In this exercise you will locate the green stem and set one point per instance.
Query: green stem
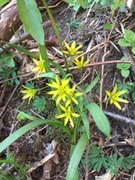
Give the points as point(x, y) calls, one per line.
point(43, 52)
point(77, 125)
point(55, 29)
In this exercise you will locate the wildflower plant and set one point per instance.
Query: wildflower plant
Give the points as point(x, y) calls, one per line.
point(80, 64)
point(40, 66)
point(29, 93)
point(68, 114)
point(73, 106)
point(114, 97)
point(72, 50)
point(65, 95)
point(60, 89)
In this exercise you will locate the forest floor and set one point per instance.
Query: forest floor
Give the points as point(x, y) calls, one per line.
point(86, 27)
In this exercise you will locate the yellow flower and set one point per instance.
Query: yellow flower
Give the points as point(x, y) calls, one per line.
point(60, 89)
point(71, 96)
point(29, 93)
point(80, 63)
point(73, 50)
point(114, 97)
point(40, 66)
point(68, 114)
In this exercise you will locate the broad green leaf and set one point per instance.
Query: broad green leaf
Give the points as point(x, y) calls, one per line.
point(76, 156)
point(133, 50)
point(31, 18)
point(125, 73)
point(37, 122)
point(124, 42)
point(90, 87)
point(86, 123)
point(2, 2)
point(99, 118)
point(129, 35)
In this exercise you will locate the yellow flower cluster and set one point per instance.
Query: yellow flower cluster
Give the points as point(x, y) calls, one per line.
point(64, 96)
point(29, 93)
point(73, 51)
point(40, 66)
point(114, 97)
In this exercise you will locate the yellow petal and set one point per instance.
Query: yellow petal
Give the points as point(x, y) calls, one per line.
point(108, 93)
point(119, 93)
point(117, 105)
point(114, 90)
point(122, 100)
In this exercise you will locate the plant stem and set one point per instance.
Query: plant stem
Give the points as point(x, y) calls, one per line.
point(55, 29)
point(43, 52)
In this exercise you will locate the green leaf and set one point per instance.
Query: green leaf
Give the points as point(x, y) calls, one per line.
point(99, 118)
point(105, 2)
point(37, 122)
point(82, 3)
point(125, 73)
point(90, 87)
point(2, 2)
point(123, 66)
point(76, 156)
point(124, 42)
point(133, 96)
point(19, 48)
point(7, 60)
point(53, 123)
point(31, 18)
point(129, 35)
point(49, 74)
point(86, 123)
point(133, 50)
point(39, 104)
point(10, 63)
point(107, 26)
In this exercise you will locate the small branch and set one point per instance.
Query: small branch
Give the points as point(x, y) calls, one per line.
point(22, 38)
point(103, 63)
point(120, 117)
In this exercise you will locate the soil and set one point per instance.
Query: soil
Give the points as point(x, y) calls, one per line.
point(86, 27)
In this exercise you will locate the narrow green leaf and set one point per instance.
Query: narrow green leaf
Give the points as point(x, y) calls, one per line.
point(49, 122)
point(31, 18)
point(86, 123)
point(94, 82)
point(13, 137)
point(19, 48)
point(2, 2)
point(99, 118)
point(82, 3)
point(76, 156)
point(49, 74)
